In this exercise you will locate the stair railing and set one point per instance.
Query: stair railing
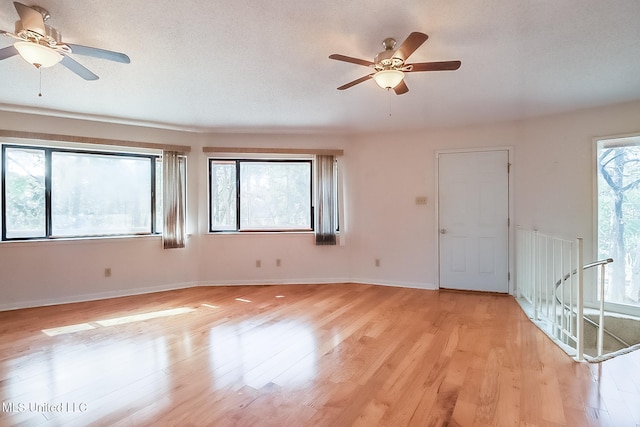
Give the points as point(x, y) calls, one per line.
point(602, 264)
point(599, 325)
point(540, 259)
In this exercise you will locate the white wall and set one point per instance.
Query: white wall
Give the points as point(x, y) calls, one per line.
point(553, 175)
point(37, 273)
point(41, 273)
point(384, 173)
point(390, 171)
point(231, 259)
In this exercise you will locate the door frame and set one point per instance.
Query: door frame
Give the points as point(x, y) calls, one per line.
point(511, 233)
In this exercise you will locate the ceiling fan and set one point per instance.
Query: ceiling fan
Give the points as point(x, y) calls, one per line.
point(390, 65)
point(41, 45)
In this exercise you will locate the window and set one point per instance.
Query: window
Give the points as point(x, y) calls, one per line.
point(55, 192)
point(618, 165)
point(260, 195)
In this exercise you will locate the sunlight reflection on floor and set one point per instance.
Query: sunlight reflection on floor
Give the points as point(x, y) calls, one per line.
point(52, 332)
point(256, 356)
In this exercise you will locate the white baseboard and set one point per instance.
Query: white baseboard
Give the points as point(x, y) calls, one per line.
point(412, 285)
point(151, 289)
point(95, 296)
point(324, 281)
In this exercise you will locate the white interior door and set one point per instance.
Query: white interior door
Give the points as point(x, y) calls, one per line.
point(473, 219)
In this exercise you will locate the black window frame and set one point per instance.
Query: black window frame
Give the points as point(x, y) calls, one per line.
point(48, 151)
point(238, 162)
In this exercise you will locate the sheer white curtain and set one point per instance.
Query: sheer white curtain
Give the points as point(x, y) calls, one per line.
point(326, 222)
point(174, 170)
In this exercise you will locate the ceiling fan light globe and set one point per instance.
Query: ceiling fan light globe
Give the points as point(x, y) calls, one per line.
point(388, 79)
point(38, 55)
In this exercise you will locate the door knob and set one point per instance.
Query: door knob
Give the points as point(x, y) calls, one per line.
point(443, 231)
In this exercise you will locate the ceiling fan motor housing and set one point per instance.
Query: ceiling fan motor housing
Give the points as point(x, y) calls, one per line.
point(386, 60)
point(51, 38)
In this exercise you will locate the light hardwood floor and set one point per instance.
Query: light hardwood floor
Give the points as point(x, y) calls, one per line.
point(302, 355)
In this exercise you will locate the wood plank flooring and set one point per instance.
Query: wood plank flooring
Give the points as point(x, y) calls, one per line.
point(301, 355)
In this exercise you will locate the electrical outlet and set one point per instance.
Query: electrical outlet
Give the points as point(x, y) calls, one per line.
point(377, 262)
point(258, 263)
point(107, 272)
point(278, 263)
point(421, 200)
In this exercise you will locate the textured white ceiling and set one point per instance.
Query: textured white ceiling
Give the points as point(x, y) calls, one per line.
point(263, 66)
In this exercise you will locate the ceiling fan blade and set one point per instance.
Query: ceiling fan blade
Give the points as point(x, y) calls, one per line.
point(355, 82)
point(77, 68)
point(99, 53)
point(344, 58)
point(401, 88)
point(8, 52)
point(413, 42)
point(8, 34)
point(435, 66)
point(31, 19)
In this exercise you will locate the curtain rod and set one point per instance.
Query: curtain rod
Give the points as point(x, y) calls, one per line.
point(95, 141)
point(326, 152)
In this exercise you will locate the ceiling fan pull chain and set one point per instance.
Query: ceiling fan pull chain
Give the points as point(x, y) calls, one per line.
point(40, 87)
point(389, 98)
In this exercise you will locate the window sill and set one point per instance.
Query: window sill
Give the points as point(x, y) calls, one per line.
point(260, 233)
point(79, 240)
